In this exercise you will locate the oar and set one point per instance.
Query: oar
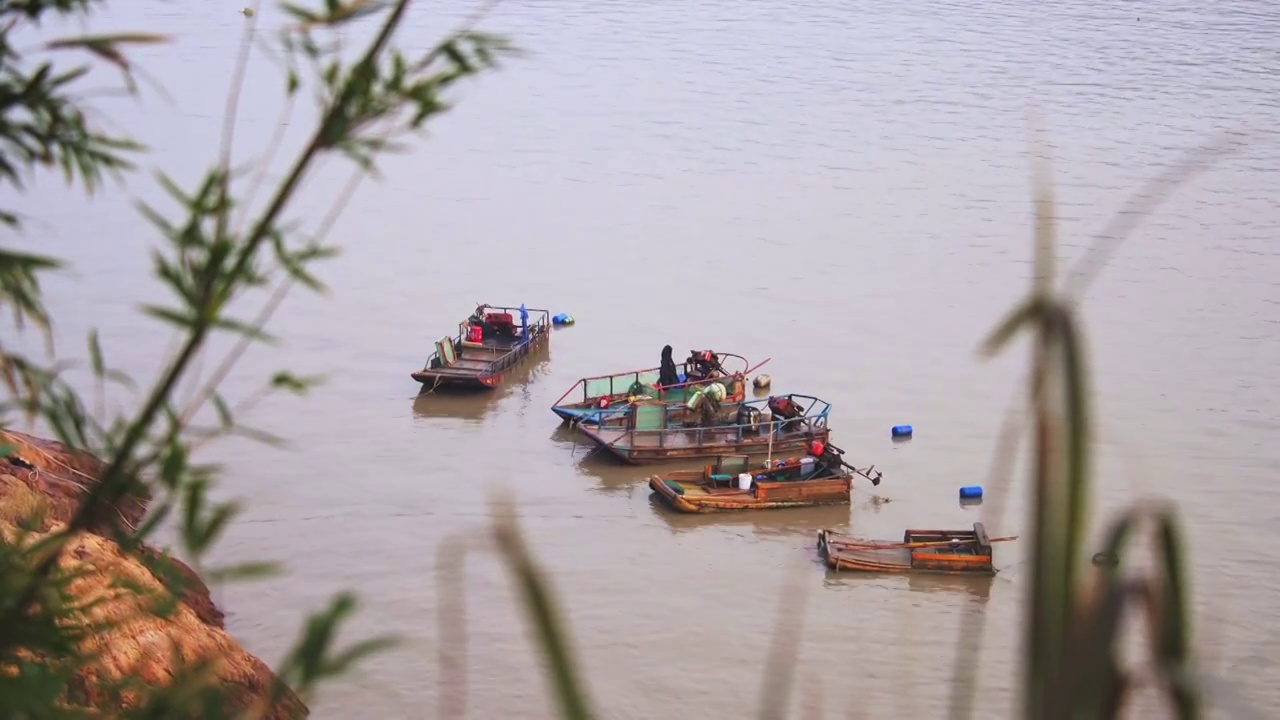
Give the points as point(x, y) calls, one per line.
point(908, 546)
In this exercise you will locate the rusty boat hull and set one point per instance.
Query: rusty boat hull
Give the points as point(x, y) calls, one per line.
point(785, 484)
point(953, 552)
point(654, 432)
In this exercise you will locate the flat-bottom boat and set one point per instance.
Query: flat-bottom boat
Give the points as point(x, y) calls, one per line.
point(488, 346)
point(930, 551)
point(733, 482)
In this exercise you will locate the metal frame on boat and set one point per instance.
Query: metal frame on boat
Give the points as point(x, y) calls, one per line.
point(616, 391)
point(653, 431)
point(488, 345)
point(961, 552)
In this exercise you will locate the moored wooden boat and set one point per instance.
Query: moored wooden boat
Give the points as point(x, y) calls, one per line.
point(591, 398)
point(489, 345)
point(651, 431)
point(926, 551)
point(733, 482)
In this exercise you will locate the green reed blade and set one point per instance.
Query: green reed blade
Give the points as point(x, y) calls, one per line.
point(540, 605)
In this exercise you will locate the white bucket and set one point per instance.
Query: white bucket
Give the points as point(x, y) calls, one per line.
point(744, 481)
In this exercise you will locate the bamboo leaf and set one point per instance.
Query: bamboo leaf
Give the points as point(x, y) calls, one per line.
point(1077, 443)
point(1027, 312)
point(1174, 631)
point(243, 571)
point(107, 46)
point(95, 355)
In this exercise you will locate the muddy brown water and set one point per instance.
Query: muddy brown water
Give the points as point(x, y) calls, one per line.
point(841, 187)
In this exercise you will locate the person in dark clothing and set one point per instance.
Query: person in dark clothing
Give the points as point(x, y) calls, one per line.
point(667, 371)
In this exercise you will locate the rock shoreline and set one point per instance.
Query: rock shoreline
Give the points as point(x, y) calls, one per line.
point(44, 474)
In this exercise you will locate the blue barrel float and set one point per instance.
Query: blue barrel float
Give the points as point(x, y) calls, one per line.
point(900, 432)
point(971, 492)
point(562, 319)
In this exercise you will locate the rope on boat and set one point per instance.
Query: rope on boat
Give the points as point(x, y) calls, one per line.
point(434, 385)
point(573, 425)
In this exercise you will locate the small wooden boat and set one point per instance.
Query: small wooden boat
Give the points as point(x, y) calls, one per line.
point(932, 551)
point(489, 344)
point(650, 431)
point(733, 482)
point(592, 398)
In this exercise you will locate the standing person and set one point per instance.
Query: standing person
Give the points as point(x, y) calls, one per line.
point(667, 370)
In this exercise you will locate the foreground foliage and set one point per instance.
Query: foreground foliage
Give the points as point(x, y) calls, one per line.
point(215, 246)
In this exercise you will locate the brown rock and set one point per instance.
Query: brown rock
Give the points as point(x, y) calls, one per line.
point(63, 477)
point(41, 476)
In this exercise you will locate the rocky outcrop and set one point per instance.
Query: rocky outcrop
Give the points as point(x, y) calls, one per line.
point(41, 479)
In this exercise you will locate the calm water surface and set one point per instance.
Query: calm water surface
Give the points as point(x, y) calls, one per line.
point(839, 186)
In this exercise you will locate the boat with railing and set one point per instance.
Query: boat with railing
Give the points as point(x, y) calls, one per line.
point(489, 344)
point(603, 396)
point(651, 431)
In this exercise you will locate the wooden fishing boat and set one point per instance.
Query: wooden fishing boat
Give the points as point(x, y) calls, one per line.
point(733, 482)
point(592, 398)
point(928, 551)
point(651, 431)
point(488, 345)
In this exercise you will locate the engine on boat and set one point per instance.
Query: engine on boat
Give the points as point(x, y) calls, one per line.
point(784, 408)
point(484, 325)
point(703, 365)
point(753, 419)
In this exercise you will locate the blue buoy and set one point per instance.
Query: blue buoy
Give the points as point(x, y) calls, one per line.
point(901, 431)
point(969, 492)
point(562, 319)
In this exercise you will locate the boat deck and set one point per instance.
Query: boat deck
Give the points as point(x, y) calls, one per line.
point(474, 359)
point(887, 558)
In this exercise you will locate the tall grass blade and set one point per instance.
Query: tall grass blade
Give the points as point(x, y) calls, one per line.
point(540, 605)
point(451, 618)
point(779, 669)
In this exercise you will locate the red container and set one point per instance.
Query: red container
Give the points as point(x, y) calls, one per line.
point(475, 333)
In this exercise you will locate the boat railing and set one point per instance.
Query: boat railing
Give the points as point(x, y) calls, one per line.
point(539, 324)
point(814, 416)
point(600, 386)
